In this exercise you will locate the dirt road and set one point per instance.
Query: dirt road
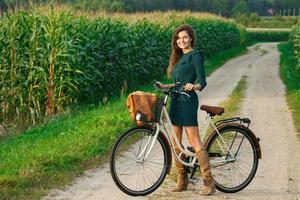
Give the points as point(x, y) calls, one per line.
point(278, 174)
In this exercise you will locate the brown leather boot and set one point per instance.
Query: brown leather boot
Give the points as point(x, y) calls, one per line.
point(182, 177)
point(208, 181)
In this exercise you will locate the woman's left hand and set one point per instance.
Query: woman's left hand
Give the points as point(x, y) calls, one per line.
point(188, 87)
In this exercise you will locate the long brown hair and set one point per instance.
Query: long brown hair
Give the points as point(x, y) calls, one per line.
point(176, 51)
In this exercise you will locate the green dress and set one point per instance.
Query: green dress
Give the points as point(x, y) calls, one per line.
point(189, 68)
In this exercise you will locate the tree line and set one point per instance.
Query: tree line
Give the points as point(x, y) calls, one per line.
point(227, 8)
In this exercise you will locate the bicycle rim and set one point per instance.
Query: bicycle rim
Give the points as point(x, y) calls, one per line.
point(133, 174)
point(234, 170)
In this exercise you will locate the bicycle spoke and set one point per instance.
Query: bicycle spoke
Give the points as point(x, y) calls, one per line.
point(152, 176)
point(246, 163)
point(133, 171)
point(232, 173)
point(241, 171)
point(243, 168)
point(152, 171)
point(238, 174)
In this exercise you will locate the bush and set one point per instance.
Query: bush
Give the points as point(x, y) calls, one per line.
point(295, 40)
point(268, 36)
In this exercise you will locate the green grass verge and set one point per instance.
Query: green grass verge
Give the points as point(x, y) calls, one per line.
point(214, 62)
point(234, 102)
point(290, 74)
point(53, 154)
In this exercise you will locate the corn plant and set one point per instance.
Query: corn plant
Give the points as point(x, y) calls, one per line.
point(36, 78)
point(49, 62)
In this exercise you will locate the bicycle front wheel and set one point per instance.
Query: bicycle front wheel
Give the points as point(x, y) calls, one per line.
point(233, 157)
point(133, 173)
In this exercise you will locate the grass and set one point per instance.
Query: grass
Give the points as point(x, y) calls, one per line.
point(277, 22)
point(211, 64)
point(234, 102)
point(53, 154)
point(290, 74)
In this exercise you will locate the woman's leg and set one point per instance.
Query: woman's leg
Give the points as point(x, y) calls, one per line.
point(182, 178)
point(178, 132)
point(203, 159)
point(193, 137)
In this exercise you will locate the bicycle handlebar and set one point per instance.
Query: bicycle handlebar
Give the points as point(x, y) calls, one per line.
point(174, 89)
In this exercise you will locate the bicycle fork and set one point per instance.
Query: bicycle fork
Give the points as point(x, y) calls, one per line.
point(150, 143)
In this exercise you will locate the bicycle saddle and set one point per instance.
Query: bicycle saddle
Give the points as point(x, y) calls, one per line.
point(213, 110)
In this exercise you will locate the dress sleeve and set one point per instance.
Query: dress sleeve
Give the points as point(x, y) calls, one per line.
point(198, 63)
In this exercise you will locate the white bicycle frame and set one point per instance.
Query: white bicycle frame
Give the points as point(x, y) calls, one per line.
point(166, 127)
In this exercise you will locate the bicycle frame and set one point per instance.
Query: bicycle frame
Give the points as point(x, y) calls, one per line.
point(233, 149)
point(166, 127)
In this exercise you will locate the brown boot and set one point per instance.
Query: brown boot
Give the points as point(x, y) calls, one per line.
point(182, 177)
point(208, 181)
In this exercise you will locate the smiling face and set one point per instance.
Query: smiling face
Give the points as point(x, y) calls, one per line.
point(184, 40)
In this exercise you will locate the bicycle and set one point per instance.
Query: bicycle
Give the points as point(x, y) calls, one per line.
point(142, 156)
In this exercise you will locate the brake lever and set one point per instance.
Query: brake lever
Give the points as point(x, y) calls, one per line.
point(156, 85)
point(178, 84)
point(186, 94)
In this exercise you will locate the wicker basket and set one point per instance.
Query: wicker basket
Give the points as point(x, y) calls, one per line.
point(144, 107)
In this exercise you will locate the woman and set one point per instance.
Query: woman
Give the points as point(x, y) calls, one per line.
point(186, 66)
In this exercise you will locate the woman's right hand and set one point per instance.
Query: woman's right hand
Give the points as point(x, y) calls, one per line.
point(163, 86)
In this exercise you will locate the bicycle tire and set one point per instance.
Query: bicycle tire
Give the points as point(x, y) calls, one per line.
point(160, 141)
point(211, 146)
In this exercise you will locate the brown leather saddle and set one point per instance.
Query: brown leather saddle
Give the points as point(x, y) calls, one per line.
point(213, 110)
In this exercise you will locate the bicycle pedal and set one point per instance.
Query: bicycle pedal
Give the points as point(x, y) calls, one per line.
point(194, 180)
point(191, 149)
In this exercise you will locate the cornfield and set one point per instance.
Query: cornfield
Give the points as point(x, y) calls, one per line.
point(36, 72)
point(48, 62)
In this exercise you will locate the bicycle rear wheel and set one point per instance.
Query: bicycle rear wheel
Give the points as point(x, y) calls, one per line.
point(232, 170)
point(132, 173)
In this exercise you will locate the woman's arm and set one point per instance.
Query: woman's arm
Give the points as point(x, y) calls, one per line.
point(197, 87)
point(190, 86)
point(198, 63)
point(164, 86)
